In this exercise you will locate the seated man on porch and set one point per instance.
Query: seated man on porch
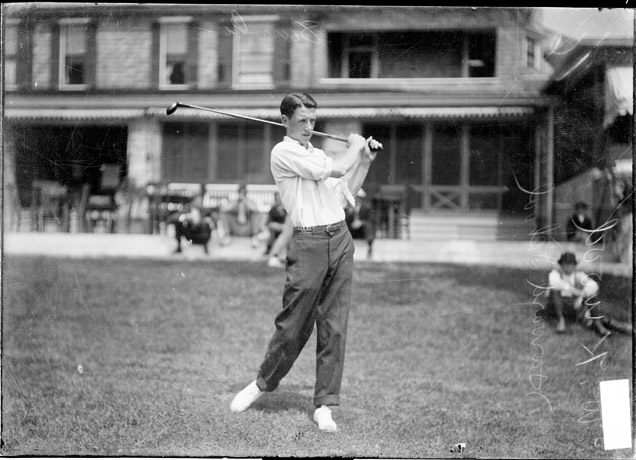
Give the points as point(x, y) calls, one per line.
point(579, 225)
point(194, 224)
point(240, 217)
point(275, 222)
point(359, 220)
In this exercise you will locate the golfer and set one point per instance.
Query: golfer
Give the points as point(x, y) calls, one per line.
point(314, 188)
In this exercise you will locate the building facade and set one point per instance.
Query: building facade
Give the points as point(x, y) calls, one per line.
point(454, 95)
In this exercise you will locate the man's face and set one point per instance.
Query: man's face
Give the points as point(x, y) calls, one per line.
point(568, 269)
point(301, 125)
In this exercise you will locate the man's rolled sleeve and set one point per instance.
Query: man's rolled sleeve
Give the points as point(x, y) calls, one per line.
point(590, 287)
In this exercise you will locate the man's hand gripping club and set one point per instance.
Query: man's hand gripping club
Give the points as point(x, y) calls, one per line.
point(358, 148)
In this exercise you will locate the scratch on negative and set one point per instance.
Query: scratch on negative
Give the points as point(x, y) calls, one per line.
point(79, 289)
point(591, 359)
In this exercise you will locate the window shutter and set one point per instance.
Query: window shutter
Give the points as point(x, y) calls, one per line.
point(193, 54)
point(91, 53)
point(55, 55)
point(154, 60)
point(282, 52)
point(225, 44)
point(24, 58)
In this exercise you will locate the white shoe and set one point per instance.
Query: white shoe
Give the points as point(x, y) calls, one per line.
point(246, 397)
point(275, 262)
point(322, 416)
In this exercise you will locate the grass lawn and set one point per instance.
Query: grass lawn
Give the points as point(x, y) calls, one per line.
point(142, 358)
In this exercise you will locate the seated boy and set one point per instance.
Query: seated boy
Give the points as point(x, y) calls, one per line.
point(569, 290)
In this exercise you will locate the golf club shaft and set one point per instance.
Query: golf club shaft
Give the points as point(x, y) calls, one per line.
point(176, 105)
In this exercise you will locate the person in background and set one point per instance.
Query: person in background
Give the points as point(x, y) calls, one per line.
point(275, 222)
point(359, 220)
point(193, 224)
point(570, 289)
point(579, 225)
point(239, 217)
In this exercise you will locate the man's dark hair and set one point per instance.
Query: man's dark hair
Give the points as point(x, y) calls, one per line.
point(568, 258)
point(581, 206)
point(292, 101)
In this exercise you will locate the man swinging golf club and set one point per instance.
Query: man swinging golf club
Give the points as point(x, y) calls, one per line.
point(314, 189)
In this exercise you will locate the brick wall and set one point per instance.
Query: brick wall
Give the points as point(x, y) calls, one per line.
point(123, 54)
point(510, 62)
point(321, 56)
point(42, 56)
point(302, 60)
point(208, 55)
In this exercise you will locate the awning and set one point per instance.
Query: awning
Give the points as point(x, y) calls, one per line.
point(73, 114)
point(362, 112)
point(67, 114)
point(619, 93)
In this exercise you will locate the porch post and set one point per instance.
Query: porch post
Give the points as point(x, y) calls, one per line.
point(426, 165)
point(549, 149)
point(11, 209)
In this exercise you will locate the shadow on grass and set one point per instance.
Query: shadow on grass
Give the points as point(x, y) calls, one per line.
point(282, 401)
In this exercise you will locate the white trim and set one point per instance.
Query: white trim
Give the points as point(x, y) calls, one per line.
point(390, 82)
point(262, 18)
point(73, 21)
point(175, 19)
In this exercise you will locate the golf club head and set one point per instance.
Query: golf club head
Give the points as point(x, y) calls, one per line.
point(172, 108)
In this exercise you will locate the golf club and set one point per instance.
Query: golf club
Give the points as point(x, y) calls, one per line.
point(174, 106)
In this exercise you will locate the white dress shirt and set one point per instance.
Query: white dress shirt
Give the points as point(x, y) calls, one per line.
point(309, 194)
point(563, 283)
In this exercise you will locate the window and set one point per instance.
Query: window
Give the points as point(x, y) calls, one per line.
point(360, 57)
point(73, 54)
point(412, 54)
point(10, 55)
point(173, 53)
point(254, 52)
point(532, 53)
point(481, 54)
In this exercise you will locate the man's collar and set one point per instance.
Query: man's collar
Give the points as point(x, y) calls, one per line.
point(289, 139)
